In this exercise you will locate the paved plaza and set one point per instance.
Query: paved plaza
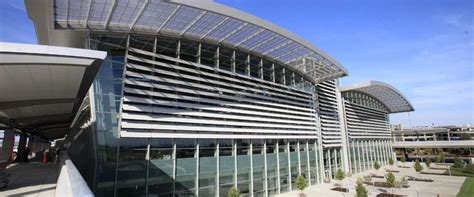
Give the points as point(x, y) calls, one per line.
point(31, 179)
point(445, 186)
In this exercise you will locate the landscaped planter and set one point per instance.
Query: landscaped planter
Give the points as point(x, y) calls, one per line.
point(434, 173)
point(435, 168)
point(403, 166)
point(377, 176)
point(390, 195)
point(340, 189)
point(381, 184)
point(418, 179)
point(396, 171)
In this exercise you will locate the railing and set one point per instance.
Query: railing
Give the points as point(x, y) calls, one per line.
point(435, 144)
point(70, 181)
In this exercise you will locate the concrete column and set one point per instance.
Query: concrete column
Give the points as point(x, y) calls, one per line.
point(21, 146)
point(424, 135)
point(7, 145)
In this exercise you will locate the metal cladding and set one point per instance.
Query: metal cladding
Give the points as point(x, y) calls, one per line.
point(385, 93)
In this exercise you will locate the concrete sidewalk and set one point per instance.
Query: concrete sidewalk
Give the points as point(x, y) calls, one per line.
point(31, 179)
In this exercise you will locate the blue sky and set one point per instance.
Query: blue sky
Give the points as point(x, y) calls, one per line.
point(425, 48)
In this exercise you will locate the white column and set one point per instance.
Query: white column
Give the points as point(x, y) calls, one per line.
point(289, 165)
point(174, 167)
point(234, 153)
point(367, 155)
point(265, 175)
point(278, 165)
point(328, 154)
point(251, 168)
point(299, 157)
point(359, 156)
point(217, 166)
point(196, 156)
point(308, 164)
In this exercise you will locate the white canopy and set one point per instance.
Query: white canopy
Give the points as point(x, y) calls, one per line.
point(385, 93)
point(41, 87)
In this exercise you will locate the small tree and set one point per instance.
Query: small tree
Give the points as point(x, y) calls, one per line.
point(390, 161)
point(391, 180)
point(361, 191)
point(376, 165)
point(440, 157)
point(418, 166)
point(233, 192)
point(428, 163)
point(458, 163)
point(340, 175)
point(301, 183)
point(403, 159)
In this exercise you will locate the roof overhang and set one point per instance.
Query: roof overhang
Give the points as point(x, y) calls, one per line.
point(201, 20)
point(43, 86)
point(385, 93)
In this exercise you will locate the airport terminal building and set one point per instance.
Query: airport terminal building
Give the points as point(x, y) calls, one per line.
point(193, 97)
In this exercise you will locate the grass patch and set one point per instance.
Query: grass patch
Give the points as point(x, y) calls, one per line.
point(459, 172)
point(467, 188)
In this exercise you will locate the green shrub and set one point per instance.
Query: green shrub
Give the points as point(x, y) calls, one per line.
point(390, 179)
point(469, 168)
point(340, 175)
point(440, 157)
point(458, 163)
point(376, 165)
point(361, 191)
point(233, 192)
point(418, 166)
point(390, 161)
point(301, 183)
point(403, 159)
point(428, 162)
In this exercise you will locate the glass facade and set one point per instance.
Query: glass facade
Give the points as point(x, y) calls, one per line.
point(154, 166)
point(140, 89)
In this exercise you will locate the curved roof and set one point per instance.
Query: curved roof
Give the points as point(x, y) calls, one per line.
point(385, 93)
point(200, 20)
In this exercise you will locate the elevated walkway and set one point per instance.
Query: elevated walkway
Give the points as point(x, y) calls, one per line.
point(31, 179)
point(435, 144)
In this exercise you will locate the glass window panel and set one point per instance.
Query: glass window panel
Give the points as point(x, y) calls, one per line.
point(131, 172)
point(160, 177)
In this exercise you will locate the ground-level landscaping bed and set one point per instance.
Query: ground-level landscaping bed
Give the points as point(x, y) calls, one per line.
point(340, 189)
point(381, 184)
point(410, 178)
point(390, 195)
